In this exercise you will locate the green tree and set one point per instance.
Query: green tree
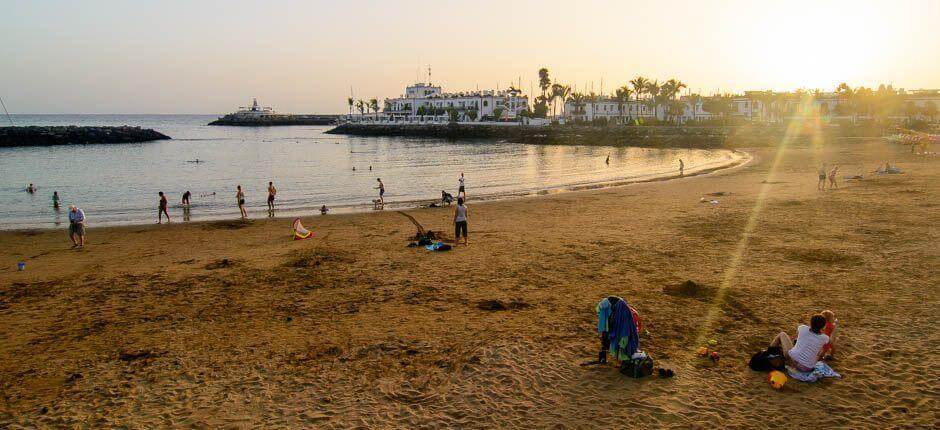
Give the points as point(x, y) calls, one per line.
point(622, 95)
point(351, 103)
point(639, 87)
point(540, 109)
point(653, 89)
point(694, 100)
point(361, 107)
point(577, 102)
point(452, 114)
point(559, 92)
point(472, 114)
point(497, 113)
point(374, 105)
point(544, 81)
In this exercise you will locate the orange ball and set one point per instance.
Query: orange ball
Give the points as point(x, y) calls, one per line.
point(777, 379)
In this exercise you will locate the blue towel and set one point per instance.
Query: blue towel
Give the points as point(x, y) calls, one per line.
point(622, 326)
point(603, 313)
point(820, 370)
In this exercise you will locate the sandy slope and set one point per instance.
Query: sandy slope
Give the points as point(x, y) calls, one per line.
point(225, 324)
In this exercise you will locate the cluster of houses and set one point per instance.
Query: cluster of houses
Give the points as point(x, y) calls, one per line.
point(424, 102)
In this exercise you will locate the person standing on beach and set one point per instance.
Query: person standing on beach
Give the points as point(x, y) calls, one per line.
point(681, 167)
point(832, 177)
point(381, 189)
point(461, 191)
point(607, 161)
point(460, 222)
point(162, 209)
point(240, 198)
point(76, 226)
point(271, 193)
point(186, 197)
point(822, 177)
point(55, 200)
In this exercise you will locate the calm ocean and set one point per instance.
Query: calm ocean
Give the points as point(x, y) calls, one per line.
point(118, 184)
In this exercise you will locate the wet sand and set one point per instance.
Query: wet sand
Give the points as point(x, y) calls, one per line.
point(228, 324)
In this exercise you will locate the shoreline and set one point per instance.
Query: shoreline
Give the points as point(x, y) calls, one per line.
point(742, 158)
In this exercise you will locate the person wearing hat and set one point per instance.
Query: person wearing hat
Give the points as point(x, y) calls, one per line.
point(76, 226)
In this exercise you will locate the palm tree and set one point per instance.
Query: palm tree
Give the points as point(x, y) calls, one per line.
point(694, 100)
point(592, 98)
point(351, 102)
point(374, 105)
point(577, 99)
point(361, 106)
point(639, 87)
point(847, 95)
point(653, 89)
point(668, 92)
point(559, 91)
point(544, 81)
point(623, 99)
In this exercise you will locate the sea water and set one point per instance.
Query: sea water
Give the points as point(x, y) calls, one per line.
point(118, 183)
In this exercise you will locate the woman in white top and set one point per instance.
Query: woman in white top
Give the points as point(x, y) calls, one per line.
point(809, 344)
point(460, 222)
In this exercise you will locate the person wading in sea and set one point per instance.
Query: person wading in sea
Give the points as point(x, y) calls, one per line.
point(161, 210)
point(271, 193)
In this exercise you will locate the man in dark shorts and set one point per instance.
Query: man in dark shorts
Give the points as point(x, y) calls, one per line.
point(381, 188)
point(460, 222)
point(461, 191)
point(162, 209)
point(76, 226)
point(186, 197)
point(271, 193)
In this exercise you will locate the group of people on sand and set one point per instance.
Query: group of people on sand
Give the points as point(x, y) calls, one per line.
point(827, 173)
point(619, 327)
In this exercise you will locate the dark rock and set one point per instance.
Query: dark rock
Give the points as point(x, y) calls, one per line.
point(74, 135)
point(498, 305)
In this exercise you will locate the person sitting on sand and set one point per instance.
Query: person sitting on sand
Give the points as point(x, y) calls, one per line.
point(808, 349)
point(446, 198)
point(76, 226)
point(832, 177)
point(240, 198)
point(821, 185)
point(829, 330)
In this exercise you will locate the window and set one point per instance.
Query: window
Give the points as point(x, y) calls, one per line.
point(486, 102)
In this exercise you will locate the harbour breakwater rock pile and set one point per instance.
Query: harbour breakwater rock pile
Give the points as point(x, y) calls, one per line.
point(643, 136)
point(272, 120)
point(75, 135)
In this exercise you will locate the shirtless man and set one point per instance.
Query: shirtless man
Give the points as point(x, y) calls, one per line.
point(271, 193)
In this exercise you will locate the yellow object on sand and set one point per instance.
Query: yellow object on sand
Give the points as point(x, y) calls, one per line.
point(777, 379)
point(712, 342)
point(703, 351)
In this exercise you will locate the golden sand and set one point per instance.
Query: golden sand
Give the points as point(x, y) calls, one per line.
point(225, 324)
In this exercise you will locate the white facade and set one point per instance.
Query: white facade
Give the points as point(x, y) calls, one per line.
point(408, 106)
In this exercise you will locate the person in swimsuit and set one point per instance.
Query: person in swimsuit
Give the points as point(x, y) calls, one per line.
point(461, 191)
point(55, 200)
point(161, 210)
point(822, 177)
point(31, 189)
point(460, 222)
point(271, 193)
point(240, 197)
point(832, 177)
point(381, 189)
point(186, 197)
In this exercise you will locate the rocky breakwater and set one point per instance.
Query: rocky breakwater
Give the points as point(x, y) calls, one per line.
point(75, 135)
point(652, 136)
point(273, 120)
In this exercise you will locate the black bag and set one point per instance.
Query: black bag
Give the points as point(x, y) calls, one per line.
point(637, 367)
point(767, 360)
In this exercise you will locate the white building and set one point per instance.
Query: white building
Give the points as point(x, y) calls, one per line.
point(421, 101)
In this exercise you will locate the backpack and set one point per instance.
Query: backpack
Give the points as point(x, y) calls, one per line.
point(762, 361)
point(637, 367)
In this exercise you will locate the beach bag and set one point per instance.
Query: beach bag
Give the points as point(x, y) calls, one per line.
point(762, 361)
point(639, 366)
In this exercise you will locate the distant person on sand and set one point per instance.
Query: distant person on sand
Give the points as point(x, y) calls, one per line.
point(822, 177)
point(76, 226)
point(55, 200)
point(460, 222)
point(681, 168)
point(461, 190)
point(809, 346)
point(186, 197)
point(162, 209)
point(240, 197)
point(607, 161)
point(446, 198)
point(381, 189)
point(271, 193)
point(31, 189)
point(832, 177)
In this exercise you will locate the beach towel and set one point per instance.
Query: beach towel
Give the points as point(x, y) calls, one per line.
point(820, 370)
point(624, 338)
point(439, 246)
point(603, 309)
point(300, 232)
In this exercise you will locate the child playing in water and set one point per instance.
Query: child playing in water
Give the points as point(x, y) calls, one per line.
point(829, 330)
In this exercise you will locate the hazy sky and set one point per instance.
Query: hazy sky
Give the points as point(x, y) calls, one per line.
point(303, 56)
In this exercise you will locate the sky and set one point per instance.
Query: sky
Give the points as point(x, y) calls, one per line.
point(306, 56)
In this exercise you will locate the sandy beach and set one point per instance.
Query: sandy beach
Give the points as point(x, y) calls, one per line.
point(234, 325)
